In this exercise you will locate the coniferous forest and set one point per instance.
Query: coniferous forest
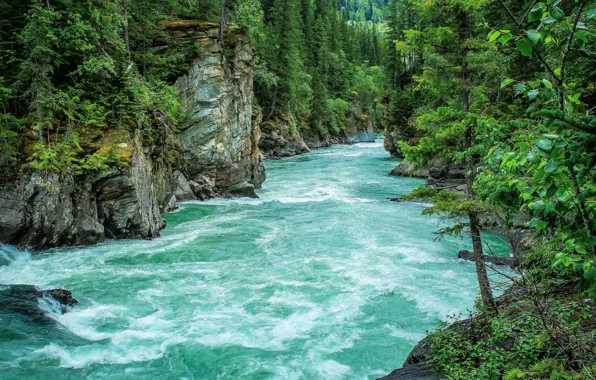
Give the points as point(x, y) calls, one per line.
point(493, 102)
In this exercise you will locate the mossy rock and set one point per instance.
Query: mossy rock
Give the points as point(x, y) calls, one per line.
point(120, 141)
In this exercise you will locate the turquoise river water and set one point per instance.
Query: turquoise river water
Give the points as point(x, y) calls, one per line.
point(320, 278)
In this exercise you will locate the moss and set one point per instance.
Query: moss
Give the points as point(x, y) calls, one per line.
point(188, 24)
point(117, 141)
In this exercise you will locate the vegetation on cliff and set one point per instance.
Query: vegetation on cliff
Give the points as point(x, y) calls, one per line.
point(73, 71)
point(508, 89)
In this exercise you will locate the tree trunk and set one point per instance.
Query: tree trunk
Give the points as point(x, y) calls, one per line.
point(125, 17)
point(222, 22)
point(273, 103)
point(483, 283)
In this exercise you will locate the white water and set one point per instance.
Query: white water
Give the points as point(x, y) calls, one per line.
point(321, 278)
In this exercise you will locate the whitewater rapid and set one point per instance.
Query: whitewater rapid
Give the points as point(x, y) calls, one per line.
point(320, 278)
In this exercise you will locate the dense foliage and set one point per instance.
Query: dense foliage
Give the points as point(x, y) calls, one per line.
point(73, 70)
point(508, 89)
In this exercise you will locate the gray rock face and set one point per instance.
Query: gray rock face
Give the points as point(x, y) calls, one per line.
point(441, 174)
point(40, 211)
point(507, 261)
point(24, 300)
point(221, 142)
point(312, 139)
point(280, 138)
point(219, 149)
point(447, 175)
point(418, 371)
point(405, 169)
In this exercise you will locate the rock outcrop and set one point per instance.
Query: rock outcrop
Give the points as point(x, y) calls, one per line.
point(360, 126)
point(43, 210)
point(280, 138)
point(217, 154)
point(221, 141)
point(496, 260)
point(405, 169)
point(25, 301)
point(441, 174)
point(418, 371)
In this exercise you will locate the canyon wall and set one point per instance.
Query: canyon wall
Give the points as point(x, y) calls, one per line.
point(217, 150)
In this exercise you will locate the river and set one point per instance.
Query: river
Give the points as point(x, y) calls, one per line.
point(320, 278)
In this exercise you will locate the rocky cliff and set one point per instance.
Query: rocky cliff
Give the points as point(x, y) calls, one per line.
point(283, 136)
point(221, 142)
point(218, 155)
point(280, 137)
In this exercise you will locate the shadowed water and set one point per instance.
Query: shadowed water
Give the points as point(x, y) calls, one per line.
point(321, 278)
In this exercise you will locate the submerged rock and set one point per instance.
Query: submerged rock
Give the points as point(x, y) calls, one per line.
point(27, 301)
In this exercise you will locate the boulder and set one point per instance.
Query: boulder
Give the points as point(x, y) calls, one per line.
point(507, 260)
point(24, 300)
point(243, 190)
point(406, 169)
point(170, 205)
point(280, 138)
point(418, 371)
point(184, 191)
point(203, 187)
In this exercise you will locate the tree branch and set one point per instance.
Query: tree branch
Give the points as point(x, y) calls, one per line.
point(568, 47)
point(527, 12)
point(535, 49)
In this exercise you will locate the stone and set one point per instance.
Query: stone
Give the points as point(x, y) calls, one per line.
point(280, 138)
point(507, 260)
point(24, 300)
point(418, 371)
point(170, 206)
point(405, 169)
point(243, 190)
point(184, 191)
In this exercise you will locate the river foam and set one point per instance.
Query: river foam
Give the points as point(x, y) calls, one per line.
point(320, 278)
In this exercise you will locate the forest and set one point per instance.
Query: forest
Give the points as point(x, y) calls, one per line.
point(504, 88)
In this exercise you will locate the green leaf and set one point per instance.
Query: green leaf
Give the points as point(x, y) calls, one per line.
point(547, 83)
point(524, 45)
point(505, 38)
point(532, 94)
point(540, 174)
point(590, 274)
point(556, 13)
point(506, 82)
point(548, 20)
point(533, 35)
point(551, 167)
point(494, 35)
point(545, 145)
point(535, 14)
point(534, 84)
point(520, 88)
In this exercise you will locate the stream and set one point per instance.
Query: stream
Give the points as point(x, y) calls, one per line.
point(320, 278)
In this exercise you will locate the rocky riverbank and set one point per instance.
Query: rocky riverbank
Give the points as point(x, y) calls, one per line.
point(524, 315)
point(215, 154)
point(283, 136)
